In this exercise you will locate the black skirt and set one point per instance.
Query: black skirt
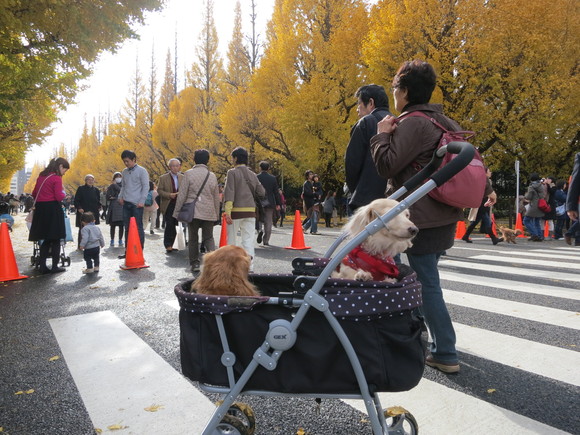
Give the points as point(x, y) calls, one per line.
point(48, 222)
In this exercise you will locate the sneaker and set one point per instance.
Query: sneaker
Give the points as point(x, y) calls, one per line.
point(195, 267)
point(96, 268)
point(496, 241)
point(443, 366)
point(112, 244)
point(88, 270)
point(260, 235)
point(315, 233)
point(121, 244)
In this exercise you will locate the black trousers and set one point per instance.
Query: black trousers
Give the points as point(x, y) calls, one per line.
point(170, 226)
point(54, 247)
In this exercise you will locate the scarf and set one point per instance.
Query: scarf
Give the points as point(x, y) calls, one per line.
point(380, 267)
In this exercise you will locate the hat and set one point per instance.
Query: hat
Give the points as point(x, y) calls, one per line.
point(89, 176)
point(117, 173)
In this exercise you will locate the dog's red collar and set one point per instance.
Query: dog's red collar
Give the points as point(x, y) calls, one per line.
point(379, 267)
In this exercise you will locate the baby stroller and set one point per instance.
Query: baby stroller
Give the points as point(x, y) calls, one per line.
point(64, 260)
point(311, 336)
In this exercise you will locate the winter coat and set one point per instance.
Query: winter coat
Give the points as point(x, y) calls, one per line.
point(87, 198)
point(207, 207)
point(115, 211)
point(536, 191)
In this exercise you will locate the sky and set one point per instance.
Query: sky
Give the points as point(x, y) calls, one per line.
point(108, 87)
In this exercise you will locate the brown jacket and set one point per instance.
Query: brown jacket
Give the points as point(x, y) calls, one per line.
point(414, 140)
point(241, 189)
point(165, 188)
point(207, 207)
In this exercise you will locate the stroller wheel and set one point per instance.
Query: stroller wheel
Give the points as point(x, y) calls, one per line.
point(230, 425)
point(400, 421)
point(244, 413)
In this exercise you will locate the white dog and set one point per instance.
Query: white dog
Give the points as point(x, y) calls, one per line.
point(373, 259)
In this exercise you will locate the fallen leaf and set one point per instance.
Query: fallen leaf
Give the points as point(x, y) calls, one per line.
point(116, 427)
point(491, 390)
point(97, 430)
point(54, 358)
point(18, 392)
point(93, 287)
point(29, 391)
point(153, 408)
point(1, 429)
point(300, 432)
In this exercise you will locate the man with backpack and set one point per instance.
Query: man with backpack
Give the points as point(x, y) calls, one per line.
point(167, 187)
point(362, 178)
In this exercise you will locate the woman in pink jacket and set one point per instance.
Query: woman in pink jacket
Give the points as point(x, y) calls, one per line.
point(48, 223)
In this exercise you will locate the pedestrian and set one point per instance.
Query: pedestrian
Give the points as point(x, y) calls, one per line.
point(87, 198)
point(115, 210)
point(242, 189)
point(150, 208)
point(311, 193)
point(273, 197)
point(328, 207)
point(572, 204)
point(91, 242)
point(282, 212)
point(483, 214)
point(134, 188)
point(104, 204)
point(48, 222)
point(362, 178)
point(396, 150)
point(168, 188)
point(533, 215)
point(199, 184)
point(561, 216)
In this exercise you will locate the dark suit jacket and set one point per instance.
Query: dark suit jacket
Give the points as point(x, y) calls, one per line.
point(574, 188)
point(87, 198)
point(271, 186)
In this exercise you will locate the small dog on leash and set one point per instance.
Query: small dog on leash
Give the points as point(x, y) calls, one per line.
point(509, 235)
point(373, 258)
point(225, 273)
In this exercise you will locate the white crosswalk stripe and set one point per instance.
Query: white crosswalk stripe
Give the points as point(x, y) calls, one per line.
point(528, 261)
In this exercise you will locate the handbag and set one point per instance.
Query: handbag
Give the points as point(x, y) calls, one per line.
point(30, 216)
point(544, 206)
point(187, 211)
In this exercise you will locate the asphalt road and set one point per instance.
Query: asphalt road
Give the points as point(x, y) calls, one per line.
point(515, 309)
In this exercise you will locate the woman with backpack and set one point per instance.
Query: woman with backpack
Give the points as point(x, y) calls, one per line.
point(399, 147)
point(150, 208)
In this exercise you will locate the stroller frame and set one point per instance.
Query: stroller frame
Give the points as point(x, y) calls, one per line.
point(282, 333)
point(64, 259)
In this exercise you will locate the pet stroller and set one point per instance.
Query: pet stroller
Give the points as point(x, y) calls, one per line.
point(64, 259)
point(311, 336)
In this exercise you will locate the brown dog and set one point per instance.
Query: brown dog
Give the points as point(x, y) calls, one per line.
point(509, 235)
point(225, 273)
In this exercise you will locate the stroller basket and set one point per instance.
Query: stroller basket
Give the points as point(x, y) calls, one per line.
point(376, 317)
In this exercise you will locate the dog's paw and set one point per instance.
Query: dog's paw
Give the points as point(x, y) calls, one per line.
point(362, 275)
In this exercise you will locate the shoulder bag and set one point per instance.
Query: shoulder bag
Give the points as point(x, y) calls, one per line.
point(30, 216)
point(187, 211)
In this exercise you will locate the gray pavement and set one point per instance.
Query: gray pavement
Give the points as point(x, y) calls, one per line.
point(51, 403)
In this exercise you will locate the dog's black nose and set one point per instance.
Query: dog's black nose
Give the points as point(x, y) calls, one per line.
point(413, 230)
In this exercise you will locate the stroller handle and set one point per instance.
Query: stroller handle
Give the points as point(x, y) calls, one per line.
point(465, 153)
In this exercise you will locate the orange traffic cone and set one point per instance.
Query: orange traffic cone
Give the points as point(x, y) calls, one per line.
point(519, 225)
point(297, 234)
point(547, 229)
point(8, 267)
point(460, 230)
point(224, 233)
point(134, 253)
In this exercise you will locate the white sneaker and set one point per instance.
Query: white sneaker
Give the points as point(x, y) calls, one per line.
point(88, 270)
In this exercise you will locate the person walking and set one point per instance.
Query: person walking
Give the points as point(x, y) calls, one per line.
point(572, 204)
point(91, 242)
point(362, 178)
point(273, 196)
point(328, 205)
point(533, 215)
point(199, 184)
point(134, 188)
point(561, 216)
point(282, 212)
point(114, 216)
point(48, 222)
point(395, 150)
point(168, 188)
point(483, 214)
point(150, 209)
point(87, 198)
point(242, 189)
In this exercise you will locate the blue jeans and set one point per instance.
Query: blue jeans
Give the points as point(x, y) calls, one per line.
point(311, 223)
point(434, 309)
point(533, 226)
point(131, 210)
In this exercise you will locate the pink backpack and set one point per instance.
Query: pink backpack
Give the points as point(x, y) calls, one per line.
point(466, 188)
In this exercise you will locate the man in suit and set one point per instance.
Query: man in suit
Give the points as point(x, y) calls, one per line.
point(167, 187)
point(273, 196)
